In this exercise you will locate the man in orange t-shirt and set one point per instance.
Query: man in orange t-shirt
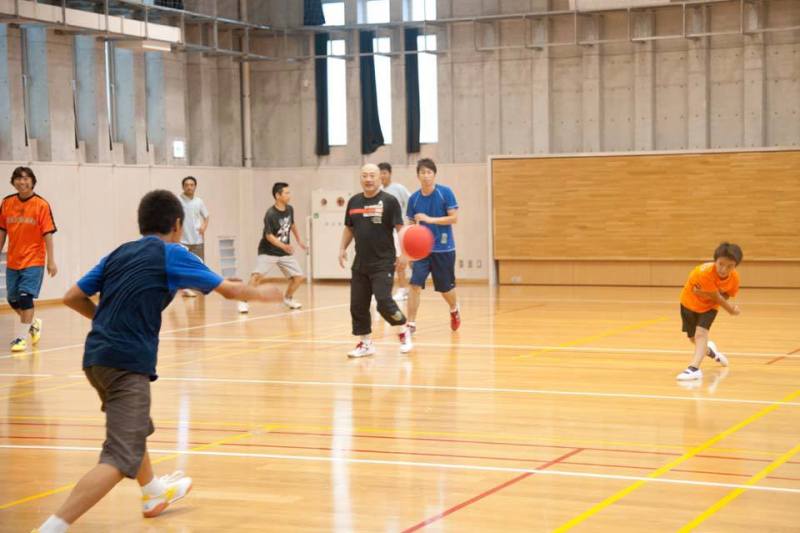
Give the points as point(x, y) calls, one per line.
point(27, 220)
point(708, 288)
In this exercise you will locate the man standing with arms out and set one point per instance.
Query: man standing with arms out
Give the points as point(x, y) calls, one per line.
point(194, 229)
point(434, 206)
point(275, 247)
point(28, 221)
point(399, 191)
point(371, 219)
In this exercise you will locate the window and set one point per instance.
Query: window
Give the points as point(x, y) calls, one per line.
point(421, 10)
point(334, 12)
point(377, 11)
point(383, 83)
point(428, 90)
point(337, 93)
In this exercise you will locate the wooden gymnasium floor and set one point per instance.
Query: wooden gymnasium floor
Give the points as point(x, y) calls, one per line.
point(553, 409)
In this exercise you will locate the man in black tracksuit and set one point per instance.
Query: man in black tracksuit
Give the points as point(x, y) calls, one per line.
point(370, 219)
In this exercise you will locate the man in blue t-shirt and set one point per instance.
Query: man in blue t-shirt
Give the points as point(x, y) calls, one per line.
point(136, 282)
point(435, 207)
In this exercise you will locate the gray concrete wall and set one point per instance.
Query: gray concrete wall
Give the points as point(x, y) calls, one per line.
point(717, 92)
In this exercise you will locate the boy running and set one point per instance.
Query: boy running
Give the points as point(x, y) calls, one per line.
point(136, 282)
point(708, 288)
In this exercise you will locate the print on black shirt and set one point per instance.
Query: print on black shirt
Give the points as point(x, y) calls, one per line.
point(279, 224)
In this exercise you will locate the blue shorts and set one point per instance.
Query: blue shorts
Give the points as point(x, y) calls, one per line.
point(442, 265)
point(25, 281)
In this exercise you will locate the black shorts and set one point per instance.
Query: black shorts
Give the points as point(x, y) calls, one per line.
point(442, 265)
point(692, 319)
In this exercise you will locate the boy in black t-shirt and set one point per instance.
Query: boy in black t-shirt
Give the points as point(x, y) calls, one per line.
point(275, 249)
point(371, 218)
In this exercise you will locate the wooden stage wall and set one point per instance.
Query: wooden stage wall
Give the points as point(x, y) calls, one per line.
point(645, 220)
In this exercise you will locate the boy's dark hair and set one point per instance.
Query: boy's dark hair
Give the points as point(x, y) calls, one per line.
point(426, 163)
point(729, 250)
point(184, 180)
point(21, 172)
point(278, 188)
point(385, 166)
point(158, 212)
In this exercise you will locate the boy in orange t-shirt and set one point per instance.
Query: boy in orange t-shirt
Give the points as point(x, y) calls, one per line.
point(27, 220)
point(708, 288)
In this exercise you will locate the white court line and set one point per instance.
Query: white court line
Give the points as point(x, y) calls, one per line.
point(27, 375)
point(414, 464)
point(444, 388)
point(211, 325)
point(496, 298)
point(526, 347)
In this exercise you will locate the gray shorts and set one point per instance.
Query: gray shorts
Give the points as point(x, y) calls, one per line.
point(197, 249)
point(286, 263)
point(125, 398)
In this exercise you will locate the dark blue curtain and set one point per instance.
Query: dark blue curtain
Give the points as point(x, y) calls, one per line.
point(371, 134)
point(412, 91)
point(312, 13)
point(321, 85)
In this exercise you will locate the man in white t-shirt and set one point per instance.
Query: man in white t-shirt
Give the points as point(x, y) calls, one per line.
point(195, 222)
point(400, 192)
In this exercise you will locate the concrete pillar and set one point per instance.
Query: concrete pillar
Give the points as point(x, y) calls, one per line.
point(592, 100)
point(125, 103)
point(644, 83)
point(155, 106)
point(201, 117)
point(541, 89)
point(698, 88)
point(38, 102)
point(85, 47)
point(754, 78)
point(6, 125)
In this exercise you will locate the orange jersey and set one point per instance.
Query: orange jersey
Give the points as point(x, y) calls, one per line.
point(26, 222)
point(705, 278)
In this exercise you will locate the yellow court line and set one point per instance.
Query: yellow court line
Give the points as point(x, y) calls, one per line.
point(64, 488)
point(672, 464)
point(601, 335)
point(732, 495)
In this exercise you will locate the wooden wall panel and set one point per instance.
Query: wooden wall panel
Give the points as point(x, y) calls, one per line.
point(782, 274)
point(647, 206)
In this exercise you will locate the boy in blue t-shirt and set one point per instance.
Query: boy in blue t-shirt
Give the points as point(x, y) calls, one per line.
point(136, 282)
point(435, 207)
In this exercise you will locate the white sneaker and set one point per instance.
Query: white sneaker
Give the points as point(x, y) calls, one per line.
point(177, 486)
point(689, 375)
point(400, 295)
point(291, 303)
point(715, 354)
point(243, 307)
point(362, 349)
point(405, 342)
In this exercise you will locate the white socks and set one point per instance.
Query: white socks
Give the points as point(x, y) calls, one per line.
point(156, 487)
point(24, 329)
point(54, 525)
point(366, 339)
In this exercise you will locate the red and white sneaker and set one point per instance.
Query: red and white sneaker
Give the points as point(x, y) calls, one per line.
point(177, 486)
point(455, 319)
point(405, 341)
point(362, 349)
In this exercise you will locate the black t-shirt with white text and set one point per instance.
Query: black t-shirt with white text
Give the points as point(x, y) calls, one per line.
point(372, 221)
point(279, 224)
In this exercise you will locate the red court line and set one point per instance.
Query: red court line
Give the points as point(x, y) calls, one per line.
point(782, 357)
point(421, 439)
point(394, 452)
point(482, 495)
